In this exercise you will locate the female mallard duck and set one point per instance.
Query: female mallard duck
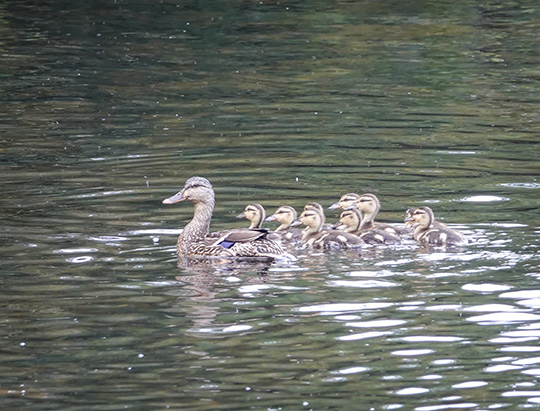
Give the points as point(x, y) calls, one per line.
point(254, 213)
point(346, 201)
point(286, 215)
point(194, 241)
point(369, 205)
point(431, 232)
point(314, 235)
point(352, 220)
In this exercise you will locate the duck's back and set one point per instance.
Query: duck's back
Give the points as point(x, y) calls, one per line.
point(334, 239)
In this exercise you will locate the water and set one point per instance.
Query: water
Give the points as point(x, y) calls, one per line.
point(107, 108)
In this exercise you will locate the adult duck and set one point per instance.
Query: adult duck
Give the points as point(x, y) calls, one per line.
point(195, 241)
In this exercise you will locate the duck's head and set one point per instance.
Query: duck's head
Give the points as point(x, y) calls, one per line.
point(313, 219)
point(409, 221)
point(285, 215)
point(368, 203)
point(254, 213)
point(422, 215)
point(196, 189)
point(346, 201)
point(314, 206)
point(351, 219)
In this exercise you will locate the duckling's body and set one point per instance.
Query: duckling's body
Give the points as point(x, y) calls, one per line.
point(314, 235)
point(195, 241)
point(352, 220)
point(369, 205)
point(427, 232)
point(286, 215)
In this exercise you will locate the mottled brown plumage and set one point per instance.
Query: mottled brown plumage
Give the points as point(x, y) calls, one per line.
point(195, 241)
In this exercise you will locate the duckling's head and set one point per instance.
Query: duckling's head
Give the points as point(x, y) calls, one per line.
point(285, 215)
point(346, 201)
point(254, 213)
point(314, 206)
point(368, 203)
point(351, 218)
point(409, 221)
point(423, 216)
point(196, 189)
point(313, 219)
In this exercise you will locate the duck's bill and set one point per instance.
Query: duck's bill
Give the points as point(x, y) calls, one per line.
point(175, 198)
point(270, 218)
point(334, 206)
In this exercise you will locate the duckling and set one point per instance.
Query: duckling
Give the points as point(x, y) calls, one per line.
point(369, 205)
point(254, 213)
point(346, 201)
point(314, 236)
point(286, 215)
point(319, 208)
point(352, 220)
point(427, 232)
point(195, 241)
point(409, 221)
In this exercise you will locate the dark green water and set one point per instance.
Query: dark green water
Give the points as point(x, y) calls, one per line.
point(107, 107)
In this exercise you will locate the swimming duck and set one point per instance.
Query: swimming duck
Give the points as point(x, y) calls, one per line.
point(369, 205)
point(286, 215)
point(431, 232)
point(194, 241)
point(319, 208)
point(346, 201)
point(314, 236)
point(254, 213)
point(352, 220)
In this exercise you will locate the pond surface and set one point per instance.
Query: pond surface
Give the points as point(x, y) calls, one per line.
point(108, 107)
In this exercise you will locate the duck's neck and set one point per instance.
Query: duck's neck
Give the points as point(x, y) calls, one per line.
point(283, 227)
point(257, 223)
point(367, 219)
point(199, 226)
point(422, 227)
point(354, 227)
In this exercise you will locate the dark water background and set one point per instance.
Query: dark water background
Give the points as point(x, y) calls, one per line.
point(108, 106)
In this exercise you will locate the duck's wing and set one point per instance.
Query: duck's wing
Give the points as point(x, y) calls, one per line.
point(240, 236)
